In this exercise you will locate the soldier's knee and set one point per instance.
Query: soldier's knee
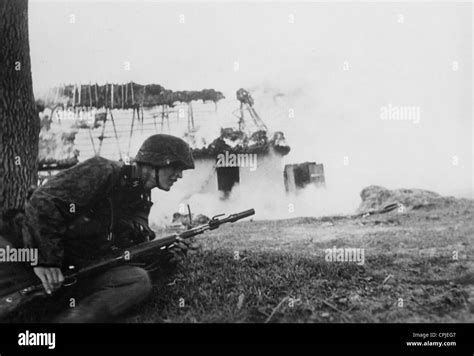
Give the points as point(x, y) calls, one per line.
point(142, 281)
point(133, 281)
point(135, 289)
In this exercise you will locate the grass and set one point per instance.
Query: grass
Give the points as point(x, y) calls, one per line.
point(269, 287)
point(213, 283)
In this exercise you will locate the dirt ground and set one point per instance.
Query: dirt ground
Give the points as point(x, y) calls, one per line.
point(418, 267)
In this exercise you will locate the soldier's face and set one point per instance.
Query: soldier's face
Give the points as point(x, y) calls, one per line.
point(167, 176)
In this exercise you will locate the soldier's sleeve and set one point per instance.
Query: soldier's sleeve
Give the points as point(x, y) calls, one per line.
point(59, 201)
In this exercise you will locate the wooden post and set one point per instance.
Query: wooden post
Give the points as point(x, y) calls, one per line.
point(116, 135)
point(131, 131)
point(74, 97)
point(101, 138)
point(106, 93)
point(90, 96)
point(126, 93)
point(111, 96)
point(162, 116)
point(191, 115)
point(80, 90)
point(90, 112)
point(123, 95)
point(96, 97)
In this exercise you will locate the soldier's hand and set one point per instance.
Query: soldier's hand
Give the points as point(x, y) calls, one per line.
point(180, 249)
point(51, 277)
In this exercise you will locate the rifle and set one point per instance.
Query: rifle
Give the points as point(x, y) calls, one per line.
point(12, 301)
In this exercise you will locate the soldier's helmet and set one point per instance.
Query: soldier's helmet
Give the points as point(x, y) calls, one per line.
point(164, 150)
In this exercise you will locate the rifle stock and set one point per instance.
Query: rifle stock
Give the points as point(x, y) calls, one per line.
point(14, 300)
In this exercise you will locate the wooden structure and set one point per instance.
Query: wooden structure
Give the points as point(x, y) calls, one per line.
point(298, 176)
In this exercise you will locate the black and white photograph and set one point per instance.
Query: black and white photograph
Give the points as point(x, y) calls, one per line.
point(204, 164)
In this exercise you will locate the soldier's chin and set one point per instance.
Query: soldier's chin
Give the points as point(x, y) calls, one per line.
point(166, 187)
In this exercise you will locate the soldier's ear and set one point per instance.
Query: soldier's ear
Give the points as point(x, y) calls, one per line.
point(148, 168)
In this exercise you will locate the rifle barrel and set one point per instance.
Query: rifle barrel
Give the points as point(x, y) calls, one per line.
point(241, 215)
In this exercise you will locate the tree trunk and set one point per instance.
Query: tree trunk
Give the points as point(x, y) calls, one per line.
point(19, 121)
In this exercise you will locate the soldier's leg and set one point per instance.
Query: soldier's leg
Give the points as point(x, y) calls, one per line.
point(13, 278)
point(109, 294)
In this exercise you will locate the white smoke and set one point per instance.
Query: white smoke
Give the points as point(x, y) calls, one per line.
point(310, 201)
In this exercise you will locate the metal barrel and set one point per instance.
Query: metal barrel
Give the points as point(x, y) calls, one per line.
point(241, 215)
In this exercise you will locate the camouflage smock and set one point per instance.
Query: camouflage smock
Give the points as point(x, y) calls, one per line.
point(86, 212)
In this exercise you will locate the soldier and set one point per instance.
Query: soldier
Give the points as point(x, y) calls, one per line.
point(94, 209)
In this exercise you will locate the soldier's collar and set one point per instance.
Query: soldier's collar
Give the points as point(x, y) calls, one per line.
point(132, 175)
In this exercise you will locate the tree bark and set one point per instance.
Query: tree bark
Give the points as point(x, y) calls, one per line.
point(19, 121)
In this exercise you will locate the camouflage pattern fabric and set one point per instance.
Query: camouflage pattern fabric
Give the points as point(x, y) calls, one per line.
point(70, 217)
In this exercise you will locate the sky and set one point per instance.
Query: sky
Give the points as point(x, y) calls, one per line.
point(322, 73)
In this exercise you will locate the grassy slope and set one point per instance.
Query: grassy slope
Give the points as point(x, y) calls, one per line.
point(284, 259)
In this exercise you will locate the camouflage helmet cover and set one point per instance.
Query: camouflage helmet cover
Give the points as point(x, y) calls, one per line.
point(163, 150)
